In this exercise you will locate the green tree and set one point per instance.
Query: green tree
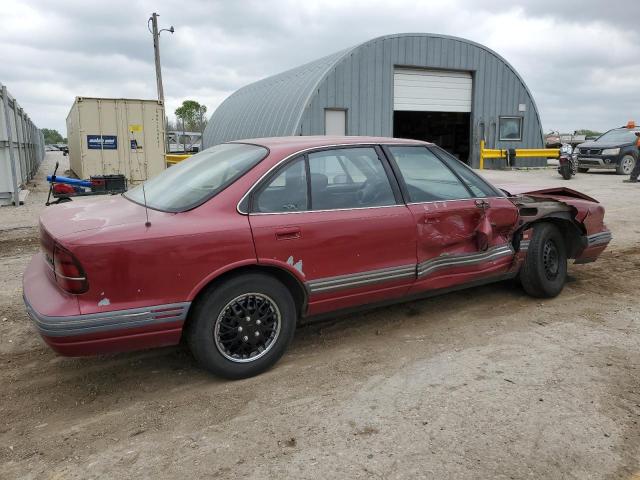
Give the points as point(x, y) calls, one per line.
point(192, 114)
point(52, 136)
point(587, 132)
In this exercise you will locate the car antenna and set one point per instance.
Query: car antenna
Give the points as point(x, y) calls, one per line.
point(146, 210)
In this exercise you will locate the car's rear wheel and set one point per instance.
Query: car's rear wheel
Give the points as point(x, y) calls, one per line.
point(243, 326)
point(625, 167)
point(545, 268)
point(582, 170)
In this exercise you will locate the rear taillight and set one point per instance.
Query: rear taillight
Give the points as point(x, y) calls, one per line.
point(46, 243)
point(68, 272)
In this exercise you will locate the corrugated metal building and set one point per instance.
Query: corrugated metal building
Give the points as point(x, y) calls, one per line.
point(443, 89)
point(21, 149)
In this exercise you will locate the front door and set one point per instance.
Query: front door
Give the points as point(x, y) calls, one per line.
point(335, 218)
point(462, 225)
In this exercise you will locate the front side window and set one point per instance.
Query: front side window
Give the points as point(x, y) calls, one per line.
point(348, 178)
point(199, 178)
point(426, 177)
point(286, 192)
point(510, 128)
point(478, 186)
point(335, 179)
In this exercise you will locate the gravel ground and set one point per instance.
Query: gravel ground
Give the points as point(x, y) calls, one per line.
point(486, 383)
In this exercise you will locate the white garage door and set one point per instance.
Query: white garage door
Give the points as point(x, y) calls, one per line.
point(431, 90)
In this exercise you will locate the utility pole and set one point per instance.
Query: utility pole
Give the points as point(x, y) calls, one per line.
point(153, 20)
point(156, 50)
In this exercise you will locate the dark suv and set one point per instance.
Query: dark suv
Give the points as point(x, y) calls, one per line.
point(615, 150)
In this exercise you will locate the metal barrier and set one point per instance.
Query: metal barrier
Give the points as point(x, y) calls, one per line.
point(21, 148)
point(172, 159)
point(515, 153)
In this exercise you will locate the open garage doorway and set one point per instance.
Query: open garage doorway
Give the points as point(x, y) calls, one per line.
point(449, 130)
point(434, 105)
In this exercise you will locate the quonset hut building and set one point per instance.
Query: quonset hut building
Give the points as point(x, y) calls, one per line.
point(442, 89)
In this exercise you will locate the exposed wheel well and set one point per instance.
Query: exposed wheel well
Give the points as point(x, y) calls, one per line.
point(296, 288)
point(572, 234)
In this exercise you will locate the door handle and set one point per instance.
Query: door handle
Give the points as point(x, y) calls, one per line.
point(288, 233)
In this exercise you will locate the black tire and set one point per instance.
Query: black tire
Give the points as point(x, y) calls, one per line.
point(545, 268)
point(582, 170)
point(566, 172)
point(625, 167)
point(241, 294)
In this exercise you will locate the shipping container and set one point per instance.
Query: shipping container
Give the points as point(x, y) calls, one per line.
point(116, 135)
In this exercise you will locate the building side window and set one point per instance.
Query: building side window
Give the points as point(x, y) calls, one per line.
point(510, 128)
point(335, 122)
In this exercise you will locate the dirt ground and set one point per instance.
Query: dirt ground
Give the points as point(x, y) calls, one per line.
point(486, 383)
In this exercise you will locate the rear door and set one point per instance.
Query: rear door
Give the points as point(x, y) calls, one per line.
point(336, 219)
point(462, 226)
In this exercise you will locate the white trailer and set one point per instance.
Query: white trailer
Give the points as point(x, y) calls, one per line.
point(116, 135)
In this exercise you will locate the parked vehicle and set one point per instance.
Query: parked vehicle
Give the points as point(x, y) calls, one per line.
point(63, 148)
point(567, 162)
point(616, 150)
point(555, 139)
point(234, 246)
point(183, 142)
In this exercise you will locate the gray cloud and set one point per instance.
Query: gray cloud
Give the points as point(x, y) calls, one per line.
point(581, 59)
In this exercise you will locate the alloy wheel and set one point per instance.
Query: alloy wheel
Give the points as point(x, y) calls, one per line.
point(627, 165)
point(247, 327)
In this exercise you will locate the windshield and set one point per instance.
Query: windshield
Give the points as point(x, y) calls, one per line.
point(619, 135)
point(195, 180)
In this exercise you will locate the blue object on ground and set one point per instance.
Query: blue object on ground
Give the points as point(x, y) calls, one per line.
point(70, 181)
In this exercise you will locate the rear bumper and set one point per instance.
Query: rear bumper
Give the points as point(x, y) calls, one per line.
point(72, 334)
point(109, 332)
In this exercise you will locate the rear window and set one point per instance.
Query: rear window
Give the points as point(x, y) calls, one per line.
point(194, 181)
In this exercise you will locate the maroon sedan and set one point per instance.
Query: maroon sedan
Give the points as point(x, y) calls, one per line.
point(246, 238)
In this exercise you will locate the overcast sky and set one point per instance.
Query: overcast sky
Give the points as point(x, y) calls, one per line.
point(580, 58)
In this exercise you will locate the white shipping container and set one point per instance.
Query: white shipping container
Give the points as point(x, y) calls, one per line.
point(116, 135)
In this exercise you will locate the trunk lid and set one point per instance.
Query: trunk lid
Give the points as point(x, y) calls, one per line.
point(65, 219)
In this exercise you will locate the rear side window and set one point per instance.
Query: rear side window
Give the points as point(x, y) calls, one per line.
point(286, 192)
point(426, 177)
point(479, 187)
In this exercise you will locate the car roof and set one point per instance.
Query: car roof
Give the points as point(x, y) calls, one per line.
point(303, 142)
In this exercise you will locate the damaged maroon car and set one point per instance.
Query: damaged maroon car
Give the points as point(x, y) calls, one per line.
point(246, 239)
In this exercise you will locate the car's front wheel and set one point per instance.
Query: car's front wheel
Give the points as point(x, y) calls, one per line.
point(545, 267)
point(241, 327)
point(582, 170)
point(625, 167)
